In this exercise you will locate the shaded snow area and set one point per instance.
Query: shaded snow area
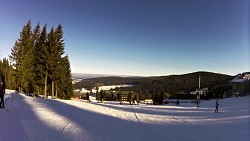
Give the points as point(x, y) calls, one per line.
point(37, 119)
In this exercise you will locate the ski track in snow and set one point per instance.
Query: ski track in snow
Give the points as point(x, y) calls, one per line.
point(50, 120)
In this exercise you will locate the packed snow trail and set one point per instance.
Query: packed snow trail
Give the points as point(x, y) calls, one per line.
point(41, 119)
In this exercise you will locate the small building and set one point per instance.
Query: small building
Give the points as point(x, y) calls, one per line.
point(240, 84)
point(111, 96)
point(123, 97)
point(202, 91)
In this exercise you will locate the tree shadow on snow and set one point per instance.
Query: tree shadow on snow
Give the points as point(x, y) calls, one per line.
point(81, 124)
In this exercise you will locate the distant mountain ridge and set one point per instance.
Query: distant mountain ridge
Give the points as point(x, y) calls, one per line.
point(171, 83)
point(89, 75)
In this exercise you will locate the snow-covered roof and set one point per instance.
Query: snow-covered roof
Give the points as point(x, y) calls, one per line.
point(241, 78)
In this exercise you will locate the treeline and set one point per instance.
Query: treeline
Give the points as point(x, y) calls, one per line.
point(38, 64)
point(154, 87)
point(181, 84)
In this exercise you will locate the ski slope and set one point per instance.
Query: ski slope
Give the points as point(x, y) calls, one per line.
point(37, 119)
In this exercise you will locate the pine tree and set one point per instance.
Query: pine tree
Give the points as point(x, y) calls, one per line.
point(7, 71)
point(102, 95)
point(87, 96)
point(19, 54)
point(130, 98)
point(66, 79)
point(51, 57)
point(58, 59)
point(136, 98)
point(42, 59)
point(15, 51)
point(98, 97)
point(59, 66)
point(36, 39)
point(30, 63)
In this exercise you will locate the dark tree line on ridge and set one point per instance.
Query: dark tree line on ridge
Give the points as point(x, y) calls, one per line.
point(38, 64)
point(158, 88)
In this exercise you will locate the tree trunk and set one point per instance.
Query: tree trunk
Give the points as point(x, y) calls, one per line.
point(19, 89)
point(56, 90)
point(53, 89)
point(45, 86)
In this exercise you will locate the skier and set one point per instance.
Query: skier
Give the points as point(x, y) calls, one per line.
point(198, 103)
point(177, 102)
point(217, 106)
point(2, 91)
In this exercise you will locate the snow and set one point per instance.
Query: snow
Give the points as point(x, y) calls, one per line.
point(29, 118)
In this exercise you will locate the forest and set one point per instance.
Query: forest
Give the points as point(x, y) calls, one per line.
point(162, 86)
point(38, 64)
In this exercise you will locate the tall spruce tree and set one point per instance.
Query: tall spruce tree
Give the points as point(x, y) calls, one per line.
point(65, 88)
point(58, 58)
point(36, 79)
point(56, 51)
point(19, 55)
point(6, 70)
point(29, 62)
point(42, 60)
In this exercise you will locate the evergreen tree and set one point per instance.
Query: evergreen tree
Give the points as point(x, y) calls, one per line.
point(56, 51)
point(51, 57)
point(7, 70)
point(42, 59)
point(98, 97)
point(136, 98)
point(29, 62)
point(119, 96)
point(19, 54)
point(87, 96)
point(36, 63)
point(101, 96)
point(59, 66)
point(129, 98)
point(68, 89)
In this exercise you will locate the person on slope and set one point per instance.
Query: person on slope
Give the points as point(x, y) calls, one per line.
point(217, 106)
point(177, 102)
point(2, 92)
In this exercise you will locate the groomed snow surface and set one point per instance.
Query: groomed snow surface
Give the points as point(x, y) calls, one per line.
point(37, 119)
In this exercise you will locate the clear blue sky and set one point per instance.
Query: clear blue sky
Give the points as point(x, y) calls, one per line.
point(139, 37)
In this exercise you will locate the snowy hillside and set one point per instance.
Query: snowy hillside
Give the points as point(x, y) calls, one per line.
point(38, 119)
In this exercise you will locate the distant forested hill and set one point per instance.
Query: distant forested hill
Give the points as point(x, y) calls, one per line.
point(171, 84)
